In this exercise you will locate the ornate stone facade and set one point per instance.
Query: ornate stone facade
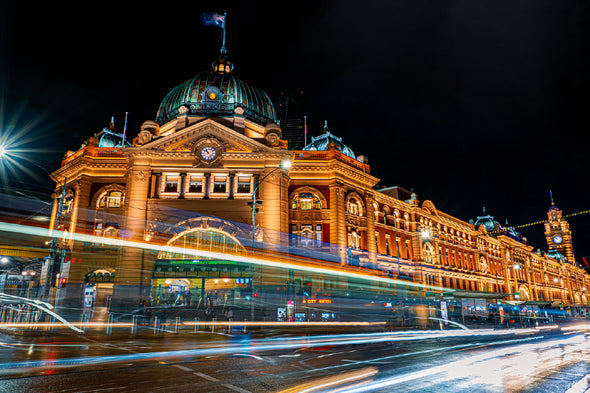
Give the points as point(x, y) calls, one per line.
point(201, 164)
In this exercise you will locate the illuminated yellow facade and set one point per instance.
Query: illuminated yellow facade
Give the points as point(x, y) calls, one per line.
point(194, 171)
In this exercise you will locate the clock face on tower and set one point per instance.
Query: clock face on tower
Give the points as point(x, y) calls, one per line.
point(557, 239)
point(208, 153)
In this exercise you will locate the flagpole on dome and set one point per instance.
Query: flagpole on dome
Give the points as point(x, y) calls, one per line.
point(223, 50)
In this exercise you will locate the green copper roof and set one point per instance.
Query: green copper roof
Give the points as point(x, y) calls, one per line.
point(229, 91)
point(321, 143)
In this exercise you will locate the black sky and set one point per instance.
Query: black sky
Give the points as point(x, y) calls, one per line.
point(470, 103)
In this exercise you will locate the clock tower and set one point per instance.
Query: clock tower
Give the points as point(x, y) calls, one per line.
point(558, 233)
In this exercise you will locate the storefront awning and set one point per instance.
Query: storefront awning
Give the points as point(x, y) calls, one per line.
point(536, 303)
point(479, 295)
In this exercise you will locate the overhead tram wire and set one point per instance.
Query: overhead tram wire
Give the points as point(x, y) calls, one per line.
point(544, 221)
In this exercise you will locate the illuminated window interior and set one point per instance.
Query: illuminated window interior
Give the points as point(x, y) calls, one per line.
point(111, 199)
point(202, 239)
point(306, 201)
point(243, 185)
point(219, 184)
point(171, 184)
point(195, 184)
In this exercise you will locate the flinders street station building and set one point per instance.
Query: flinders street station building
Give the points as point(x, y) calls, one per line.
point(208, 200)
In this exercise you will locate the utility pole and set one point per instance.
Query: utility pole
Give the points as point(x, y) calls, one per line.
point(56, 256)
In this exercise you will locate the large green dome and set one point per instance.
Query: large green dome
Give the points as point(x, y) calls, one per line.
point(217, 94)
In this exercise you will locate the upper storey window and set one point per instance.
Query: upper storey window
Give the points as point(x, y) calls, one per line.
point(219, 184)
point(353, 208)
point(111, 199)
point(171, 184)
point(306, 201)
point(195, 184)
point(243, 185)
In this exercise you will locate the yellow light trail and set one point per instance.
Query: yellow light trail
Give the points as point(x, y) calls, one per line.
point(300, 265)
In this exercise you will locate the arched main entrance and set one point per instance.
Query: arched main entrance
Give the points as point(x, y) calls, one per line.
point(183, 277)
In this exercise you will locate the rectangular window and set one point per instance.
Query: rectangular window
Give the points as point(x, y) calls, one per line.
point(243, 185)
point(387, 250)
point(306, 236)
point(318, 235)
point(219, 184)
point(171, 184)
point(293, 237)
point(195, 184)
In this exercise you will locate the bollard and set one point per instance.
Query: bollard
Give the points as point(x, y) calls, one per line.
point(196, 325)
point(133, 325)
point(155, 325)
point(36, 318)
point(177, 322)
point(109, 327)
point(229, 326)
point(213, 326)
point(82, 327)
point(245, 325)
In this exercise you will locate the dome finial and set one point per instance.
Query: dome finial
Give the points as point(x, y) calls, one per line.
point(484, 210)
point(551, 196)
point(222, 65)
point(326, 126)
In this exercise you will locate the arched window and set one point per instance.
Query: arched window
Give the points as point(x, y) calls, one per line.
point(354, 239)
point(353, 207)
point(111, 199)
point(429, 255)
point(306, 201)
point(111, 232)
point(307, 236)
point(202, 239)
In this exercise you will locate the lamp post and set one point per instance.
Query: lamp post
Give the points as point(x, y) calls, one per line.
point(255, 202)
point(286, 164)
point(56, 257)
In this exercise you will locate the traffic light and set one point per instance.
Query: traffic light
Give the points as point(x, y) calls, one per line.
point(64, 281)
point(256, 205)
point(307, 288)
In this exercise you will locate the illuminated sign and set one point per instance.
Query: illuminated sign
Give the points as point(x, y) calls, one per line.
point(319, 301)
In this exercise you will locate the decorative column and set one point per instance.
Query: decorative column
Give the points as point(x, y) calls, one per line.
point(505, 263)
point(206, 186)
point(132, 271)
point(73, 294)
point(371, 246)
point(157, 185)
point(182, 185)
point(273, 194)
point(232, 182)
point(338, 235)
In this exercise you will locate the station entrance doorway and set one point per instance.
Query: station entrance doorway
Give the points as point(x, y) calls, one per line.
point(183, 276)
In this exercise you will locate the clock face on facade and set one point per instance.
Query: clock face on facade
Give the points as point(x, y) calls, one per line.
point(557, 239)
point(208, 153)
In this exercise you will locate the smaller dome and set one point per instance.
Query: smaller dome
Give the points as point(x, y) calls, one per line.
point(554, 254)
point(324, 141)
point(109, 138)
point(488, 222)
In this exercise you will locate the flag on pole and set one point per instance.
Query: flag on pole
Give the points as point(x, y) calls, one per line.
point(213, 20)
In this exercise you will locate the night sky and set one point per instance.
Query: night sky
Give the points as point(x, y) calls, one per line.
point(468, 103)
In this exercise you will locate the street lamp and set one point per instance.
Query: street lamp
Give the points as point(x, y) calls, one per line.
point(285, 165)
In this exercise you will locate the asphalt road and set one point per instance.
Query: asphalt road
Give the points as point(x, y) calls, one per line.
point(551, 360)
